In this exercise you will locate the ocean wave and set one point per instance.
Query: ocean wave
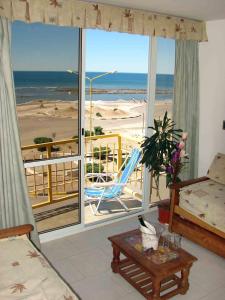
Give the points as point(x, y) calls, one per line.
point(36, 87)
point(98, 90)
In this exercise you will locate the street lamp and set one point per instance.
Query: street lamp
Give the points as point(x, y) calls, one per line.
point(90, 92)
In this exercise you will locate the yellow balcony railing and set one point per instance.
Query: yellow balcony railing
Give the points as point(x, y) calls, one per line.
point(60, 181)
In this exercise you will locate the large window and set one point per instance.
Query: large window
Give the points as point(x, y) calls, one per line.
point(48, 109)
point(118, 110)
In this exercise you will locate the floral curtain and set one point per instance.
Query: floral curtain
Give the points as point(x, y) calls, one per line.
point(111, 18)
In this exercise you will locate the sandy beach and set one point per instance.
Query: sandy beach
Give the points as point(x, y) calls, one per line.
point(59, 119)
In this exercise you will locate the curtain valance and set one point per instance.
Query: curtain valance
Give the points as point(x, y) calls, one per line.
point(107, 17)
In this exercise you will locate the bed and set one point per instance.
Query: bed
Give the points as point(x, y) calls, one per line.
point(197, 208)
point(25, 273)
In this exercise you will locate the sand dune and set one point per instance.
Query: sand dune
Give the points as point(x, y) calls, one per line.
point(59, 119)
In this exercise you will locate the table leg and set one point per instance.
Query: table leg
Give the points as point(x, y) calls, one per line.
point(184, 284)
point(116, 259)
point(156, 290)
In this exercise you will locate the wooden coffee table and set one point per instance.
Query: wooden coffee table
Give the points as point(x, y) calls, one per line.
point(153, 280)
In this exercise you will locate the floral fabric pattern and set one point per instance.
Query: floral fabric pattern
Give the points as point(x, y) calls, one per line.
point(107, 17)
point(217, 169)
point(26, 274)
point(205, 200)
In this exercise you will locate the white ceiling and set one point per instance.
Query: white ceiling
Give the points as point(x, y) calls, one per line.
point(195, 9)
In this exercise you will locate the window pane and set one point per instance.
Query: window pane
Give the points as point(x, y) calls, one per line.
point(165, 76)
point(47, 95)
point(118, 99)
point(48, 109)
point(54, 194)
point(164, 98)
point(115, 111)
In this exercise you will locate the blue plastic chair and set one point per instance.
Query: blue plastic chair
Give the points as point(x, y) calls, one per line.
point(102, 191)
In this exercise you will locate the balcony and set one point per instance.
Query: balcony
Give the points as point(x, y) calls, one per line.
point(54, 188)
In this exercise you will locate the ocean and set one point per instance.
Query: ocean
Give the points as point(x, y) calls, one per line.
point(38, 85)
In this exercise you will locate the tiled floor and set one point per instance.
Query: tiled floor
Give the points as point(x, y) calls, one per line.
point(84, 261)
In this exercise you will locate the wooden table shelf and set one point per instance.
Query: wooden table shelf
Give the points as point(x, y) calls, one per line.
point(153, 281)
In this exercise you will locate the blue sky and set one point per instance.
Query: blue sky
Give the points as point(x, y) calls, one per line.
point(41, 47)
point(126, 52)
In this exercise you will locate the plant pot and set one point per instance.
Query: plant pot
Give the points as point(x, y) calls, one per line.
point(164, 212)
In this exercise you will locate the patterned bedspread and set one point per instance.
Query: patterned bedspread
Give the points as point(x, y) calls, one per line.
point(26, 274)
point(205, 200)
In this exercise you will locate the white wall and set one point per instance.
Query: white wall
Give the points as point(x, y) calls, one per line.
point(212, 94)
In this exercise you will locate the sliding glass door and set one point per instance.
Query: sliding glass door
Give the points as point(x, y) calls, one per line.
point(123, 95)
point(163, 101)
point(49, 115)
point(116, 101)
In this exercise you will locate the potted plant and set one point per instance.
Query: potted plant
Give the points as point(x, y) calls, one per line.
point(164, 152)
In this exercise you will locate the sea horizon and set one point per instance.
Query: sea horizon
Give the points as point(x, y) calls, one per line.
point(62, 85)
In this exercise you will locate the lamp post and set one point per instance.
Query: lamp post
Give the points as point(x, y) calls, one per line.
point(91, 92)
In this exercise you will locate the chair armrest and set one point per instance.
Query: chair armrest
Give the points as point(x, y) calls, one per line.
point(14, 231)
point(181, 184)
point(175, 197)
point(93, 174)
point(107, 184)
point(99, 174)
